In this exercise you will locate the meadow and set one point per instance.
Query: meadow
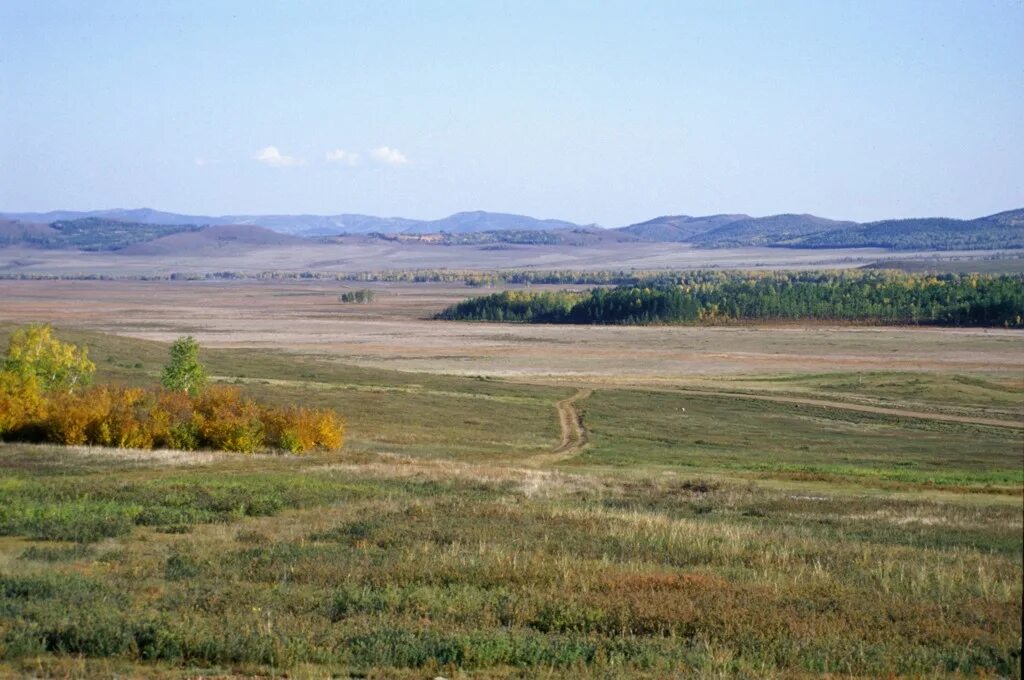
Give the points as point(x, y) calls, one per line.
point(727, 509)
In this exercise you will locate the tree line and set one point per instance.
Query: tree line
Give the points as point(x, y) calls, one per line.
point(722, 297)
point(471, 278)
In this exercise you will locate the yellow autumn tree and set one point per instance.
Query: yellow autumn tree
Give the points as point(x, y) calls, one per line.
point(38, 364)
point(34, 354)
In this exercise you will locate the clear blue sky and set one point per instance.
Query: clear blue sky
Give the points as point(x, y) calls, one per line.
point(600, 112)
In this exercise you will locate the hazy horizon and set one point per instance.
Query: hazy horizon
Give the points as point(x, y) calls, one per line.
point(442, 217)
point(611, 114)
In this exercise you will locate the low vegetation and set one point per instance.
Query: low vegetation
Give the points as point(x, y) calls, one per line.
point(694, 536)
point(383, 567)
point(719, 297)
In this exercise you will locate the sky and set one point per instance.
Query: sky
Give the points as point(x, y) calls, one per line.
point(598, 112)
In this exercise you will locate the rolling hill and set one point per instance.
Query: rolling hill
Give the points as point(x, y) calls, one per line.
point(123, 229)
point(479, 220)
point(762, 231)
point(678, 228)
point(88, 233)
point(16, 232)
point(133, 216)
point(235, 238)
point(1002, 230)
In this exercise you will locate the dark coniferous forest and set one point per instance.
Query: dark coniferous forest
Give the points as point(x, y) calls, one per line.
point(718, 297)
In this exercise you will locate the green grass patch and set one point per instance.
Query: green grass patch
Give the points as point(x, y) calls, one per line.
point(699, 432)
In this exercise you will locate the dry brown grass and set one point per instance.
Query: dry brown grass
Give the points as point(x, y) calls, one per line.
point(393, 332)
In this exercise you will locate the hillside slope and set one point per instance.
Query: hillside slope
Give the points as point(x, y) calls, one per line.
point(16, 232)
point(1003, 230)
point(89, 233)
point(771, 230)
point(215, 240)
point(678, 228)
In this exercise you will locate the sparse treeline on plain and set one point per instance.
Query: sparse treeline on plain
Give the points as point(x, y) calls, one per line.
point(468, 277)
point(723, 297)
point(363, 296)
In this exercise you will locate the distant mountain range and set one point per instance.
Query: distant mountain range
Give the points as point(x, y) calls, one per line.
point(126, 229)
point(313, 225)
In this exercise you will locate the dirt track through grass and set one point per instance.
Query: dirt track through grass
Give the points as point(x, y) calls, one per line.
point(574, 433)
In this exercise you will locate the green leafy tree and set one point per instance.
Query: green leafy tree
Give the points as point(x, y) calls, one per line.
point(184, 372)
point(35, 356)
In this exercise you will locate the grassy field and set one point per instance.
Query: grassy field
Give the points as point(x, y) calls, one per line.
point(756, 438)
point(708, 526)
point(390, 567)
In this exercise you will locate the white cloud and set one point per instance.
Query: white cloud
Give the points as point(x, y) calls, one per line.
point(272, 156)
point(342, 156)
point(385, 154)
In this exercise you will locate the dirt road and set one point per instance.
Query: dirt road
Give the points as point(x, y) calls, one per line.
point(574, 433)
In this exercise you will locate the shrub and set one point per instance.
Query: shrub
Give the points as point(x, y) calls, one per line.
point(218, 418)
point(76, 418)
point(330, 433)
point(299, 430)
point(126, 422)
point(173, 421)
point(104, 416)
point(21, 402)
point(229, 422)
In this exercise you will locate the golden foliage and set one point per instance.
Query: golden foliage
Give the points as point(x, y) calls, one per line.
point(39, 402)
point(33, 352)
point(227, 421)
point(20, 401)
point(300, 429)
point(220, 418)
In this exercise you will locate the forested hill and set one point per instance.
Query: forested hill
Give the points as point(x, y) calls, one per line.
point(760, 231)
point(678, 228)
point(89, 233)
point(719, 297)
point(1003, 230)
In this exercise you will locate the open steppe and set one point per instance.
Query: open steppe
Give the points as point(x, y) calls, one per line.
point(396, 332)
point(524, 501)
point(360, 253)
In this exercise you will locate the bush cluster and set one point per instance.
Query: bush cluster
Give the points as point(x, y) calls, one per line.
point(218, 418)
point(43, 398)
